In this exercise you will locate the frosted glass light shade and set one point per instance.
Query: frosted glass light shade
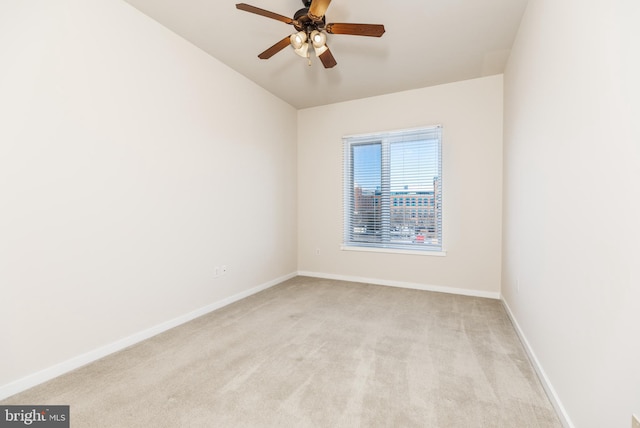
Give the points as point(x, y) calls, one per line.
point(303, 50)
point(319, 41)
point(298, 39)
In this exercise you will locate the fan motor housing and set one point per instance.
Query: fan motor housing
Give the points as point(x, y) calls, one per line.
point(304, 23)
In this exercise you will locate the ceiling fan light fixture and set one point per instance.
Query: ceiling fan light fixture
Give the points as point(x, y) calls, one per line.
point(319, 41)
point(303, 50)
point(298, 40)
point(321, 50)
point(312, 28)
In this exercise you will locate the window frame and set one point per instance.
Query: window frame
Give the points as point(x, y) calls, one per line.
point(387, 197)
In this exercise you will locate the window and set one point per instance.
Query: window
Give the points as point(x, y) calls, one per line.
point(397, 167)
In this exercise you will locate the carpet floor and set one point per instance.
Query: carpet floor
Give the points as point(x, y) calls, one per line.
point(317, 353)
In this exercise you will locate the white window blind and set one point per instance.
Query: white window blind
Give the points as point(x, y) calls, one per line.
point(393, 190)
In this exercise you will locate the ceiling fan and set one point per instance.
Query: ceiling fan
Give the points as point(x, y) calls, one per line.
point(311, 26)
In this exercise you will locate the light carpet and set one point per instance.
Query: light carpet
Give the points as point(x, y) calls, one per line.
point(317, 353)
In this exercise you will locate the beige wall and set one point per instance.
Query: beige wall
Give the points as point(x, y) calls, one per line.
point(571, 211)
point(471, 115)
point(128, 170)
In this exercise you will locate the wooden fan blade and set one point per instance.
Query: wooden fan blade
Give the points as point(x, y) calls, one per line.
point(318, 8)
point(262, 12)
point(371, 30)
point(275, 48)
point(327, 59)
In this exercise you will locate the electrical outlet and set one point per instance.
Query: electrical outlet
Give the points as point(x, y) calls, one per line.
point(635, 422)
point(223, 270)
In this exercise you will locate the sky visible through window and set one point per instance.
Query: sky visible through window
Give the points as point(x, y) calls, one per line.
point(413, 166)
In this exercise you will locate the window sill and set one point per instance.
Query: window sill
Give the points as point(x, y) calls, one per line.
point(394, 251)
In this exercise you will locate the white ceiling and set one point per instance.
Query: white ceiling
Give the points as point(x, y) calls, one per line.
point(427, 42)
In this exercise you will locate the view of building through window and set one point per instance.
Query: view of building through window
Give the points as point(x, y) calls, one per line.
point(392, 190)
point(413, 217)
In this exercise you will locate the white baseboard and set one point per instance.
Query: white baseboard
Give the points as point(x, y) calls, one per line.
point(414, 286)
point(81, 360)
point(544, 380)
